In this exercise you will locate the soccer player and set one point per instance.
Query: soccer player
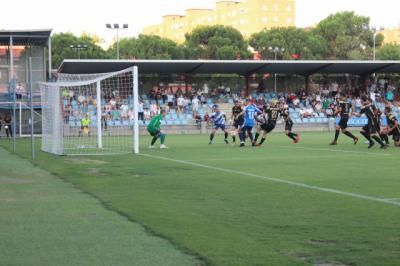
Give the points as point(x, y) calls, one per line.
point(249, 112)
point(237, 120)
point(392, 128)
point(154, 130)
point(343, 109)
point(382, 134)
point(272, 113)
point(369, 131)
point(85, 123)
point(219, 119)
point(289, 124)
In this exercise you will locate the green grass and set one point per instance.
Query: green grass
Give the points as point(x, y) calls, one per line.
point(45, 221)
point(238, 213)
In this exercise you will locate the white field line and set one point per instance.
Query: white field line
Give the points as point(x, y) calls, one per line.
point(266, 158)
point(276, 180)
point(344, 151)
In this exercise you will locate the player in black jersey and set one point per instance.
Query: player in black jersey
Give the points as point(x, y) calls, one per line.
point(343, 108)
point(238, 119)
point(289, 124)
point(382, 134)
point(272, 114)
point(370, 130)
point(392, 128)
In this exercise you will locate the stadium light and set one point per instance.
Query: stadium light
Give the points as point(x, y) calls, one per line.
point(117, 27)
point(78, 48)
point(374, 30)
point(276, 50)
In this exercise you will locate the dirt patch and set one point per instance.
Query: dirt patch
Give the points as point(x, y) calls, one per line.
point(7, 180)
point(95, 171)
point(85, 161)
point(321, 241)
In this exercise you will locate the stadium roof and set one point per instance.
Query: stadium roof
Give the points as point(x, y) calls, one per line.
point(25, 37)
point(240, 67)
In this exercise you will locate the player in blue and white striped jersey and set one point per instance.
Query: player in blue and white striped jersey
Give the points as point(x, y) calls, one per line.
point(250, 111)
point(219, 119)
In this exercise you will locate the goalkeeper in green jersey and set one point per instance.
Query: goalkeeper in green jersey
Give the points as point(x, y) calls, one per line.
point(85, 123)
point(154, 129)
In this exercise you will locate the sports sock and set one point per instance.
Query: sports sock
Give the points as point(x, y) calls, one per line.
point(226, 135)
point(153, 141)
point(233, 139)
point(211, 137)
point(385, 138)
point(347, 133)
point(292, 135)
point(366, 135)
point(256, 136)
point(337, 132)
point(250, 135)
point(262, 140)
point(375, 137)
point(162, 138)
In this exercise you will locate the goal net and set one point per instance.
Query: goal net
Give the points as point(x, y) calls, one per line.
point(91, 113)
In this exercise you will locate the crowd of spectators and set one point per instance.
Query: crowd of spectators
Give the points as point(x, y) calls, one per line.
point(315, 102)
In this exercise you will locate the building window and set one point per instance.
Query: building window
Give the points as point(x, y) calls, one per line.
point(275, 7)
point(234, 13)
point(264, 8)
point(289, 20)
point(242, 21)
point(288, 8)
point(265, 19)
point(275, 19)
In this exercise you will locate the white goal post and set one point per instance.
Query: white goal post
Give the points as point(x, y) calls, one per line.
point(85, 114)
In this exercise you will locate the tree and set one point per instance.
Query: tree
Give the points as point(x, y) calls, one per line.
point(388, 52)
point(216, 42)
point(60, 46)
point(345, 34)
point(148, 47)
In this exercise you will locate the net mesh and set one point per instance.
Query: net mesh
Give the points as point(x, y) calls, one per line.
point(89, 114)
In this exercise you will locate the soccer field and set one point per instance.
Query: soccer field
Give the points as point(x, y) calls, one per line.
point(280, 204)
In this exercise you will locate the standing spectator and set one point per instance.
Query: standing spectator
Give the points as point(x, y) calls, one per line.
point(18, 91)
point(334, 89)
point(104, 117)
point(141, 111)
point(124, 111)
point(390, 94)
point(67, 113)
point(180, 103)
point(195, 104)
point(164, 95)
point(170, 99)
point(8, 125)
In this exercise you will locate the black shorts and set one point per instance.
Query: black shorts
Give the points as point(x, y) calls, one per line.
point(268, 127)
point(395, 135)
point(288, 125)
point(155, 133)
point(343, 122)
point(370, 128)
point(238, 123)
point(83, 127)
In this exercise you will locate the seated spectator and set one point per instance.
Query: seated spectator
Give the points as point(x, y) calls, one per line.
point(124, 111)
point(306, 112)
point(390, 94)
point(318, 107)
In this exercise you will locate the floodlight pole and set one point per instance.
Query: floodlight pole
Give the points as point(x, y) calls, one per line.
point(78, 47)
point(275, 50)
point(374, 30)
point(117, 27)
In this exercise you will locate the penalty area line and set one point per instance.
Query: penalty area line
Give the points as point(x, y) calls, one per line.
point(344, 151)
point(276, 180)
